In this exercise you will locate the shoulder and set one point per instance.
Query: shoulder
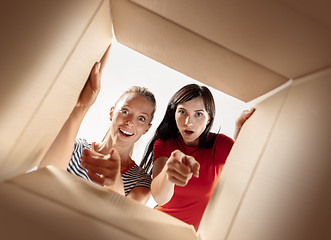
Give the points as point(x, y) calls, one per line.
point(223, 139)
point(81, 142)
point(137, 171)
point(163, 148)
point(164, 144)
point(222, 145)
point(74, 165)
point(221, 149)
point(79, 146)
point(137, 176)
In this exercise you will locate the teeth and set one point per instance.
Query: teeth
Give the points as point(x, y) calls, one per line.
point(126, 133)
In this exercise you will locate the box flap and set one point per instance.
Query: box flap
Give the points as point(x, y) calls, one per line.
point(275, 182)
point(68, 206)
point(291, 38)
point(244, 49)
point(190, 53)
point(48, 49)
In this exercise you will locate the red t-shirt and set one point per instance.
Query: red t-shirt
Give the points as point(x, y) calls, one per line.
point(188, 203)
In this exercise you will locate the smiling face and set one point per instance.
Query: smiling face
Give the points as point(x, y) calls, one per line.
point(191, 119)
point(130, 119)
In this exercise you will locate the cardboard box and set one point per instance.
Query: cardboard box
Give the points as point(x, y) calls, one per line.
point(275, 182)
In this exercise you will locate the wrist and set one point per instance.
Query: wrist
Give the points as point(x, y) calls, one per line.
point(81, 108)
point(79, 112)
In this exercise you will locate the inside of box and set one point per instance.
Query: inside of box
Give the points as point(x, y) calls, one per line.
point(274, 185)
point(51, 48)
point(276, 173)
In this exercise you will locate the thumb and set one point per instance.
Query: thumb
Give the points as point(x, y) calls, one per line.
point(89, 152)
point(193, 164)
point(114, 155)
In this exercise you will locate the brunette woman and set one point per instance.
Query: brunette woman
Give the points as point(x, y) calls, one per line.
point(182, 147)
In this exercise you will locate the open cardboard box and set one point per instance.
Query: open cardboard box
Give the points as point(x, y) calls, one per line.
point(278, 53)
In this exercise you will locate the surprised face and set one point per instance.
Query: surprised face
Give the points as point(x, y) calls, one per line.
point(130, 119)
point(191, 119)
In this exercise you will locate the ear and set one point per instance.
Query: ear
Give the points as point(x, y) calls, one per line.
point(149, 126)
point(111, 113)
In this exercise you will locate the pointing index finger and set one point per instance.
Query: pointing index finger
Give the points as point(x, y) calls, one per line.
point(193, 164)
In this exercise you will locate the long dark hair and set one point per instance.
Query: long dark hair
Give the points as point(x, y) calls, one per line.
point(168, 127)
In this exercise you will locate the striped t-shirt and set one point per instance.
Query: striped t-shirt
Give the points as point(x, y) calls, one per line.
point(132, 177)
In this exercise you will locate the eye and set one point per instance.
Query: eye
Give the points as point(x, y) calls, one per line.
point(181, 111)
point(142, 119)
point(199, 114)
point(124, 111)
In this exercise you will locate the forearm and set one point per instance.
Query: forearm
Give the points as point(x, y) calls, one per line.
point(140, 194)
point(162, 188)
point(59, 153)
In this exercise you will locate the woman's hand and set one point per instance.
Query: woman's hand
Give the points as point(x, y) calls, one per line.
point(92, 86)
point(178, 169)
point(181, 167)
point(241, 120)
point(244, 116)
point(89, 93)
point(104, 169)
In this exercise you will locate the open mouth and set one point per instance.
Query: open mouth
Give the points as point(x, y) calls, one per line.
point(126, 133)
point(188, 132)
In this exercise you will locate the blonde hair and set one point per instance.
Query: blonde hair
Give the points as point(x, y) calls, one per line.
point(143, 92)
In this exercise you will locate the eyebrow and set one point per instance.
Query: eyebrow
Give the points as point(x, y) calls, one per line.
point(128, 107)
point(199, 110)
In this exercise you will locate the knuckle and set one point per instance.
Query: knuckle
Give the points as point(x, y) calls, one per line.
point(169, 172)
point(176, 153)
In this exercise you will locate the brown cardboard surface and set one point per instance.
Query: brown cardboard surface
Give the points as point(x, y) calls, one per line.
point(28, 216)
point(55, 201)
point(275, 183)
point(47, 51)
point(52, 62)
point(291, 38)
point(285, 194)
point(239, 168)
point(190, 53)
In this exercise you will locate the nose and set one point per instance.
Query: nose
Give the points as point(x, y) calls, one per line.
point(188, 121)
point(129, 121)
